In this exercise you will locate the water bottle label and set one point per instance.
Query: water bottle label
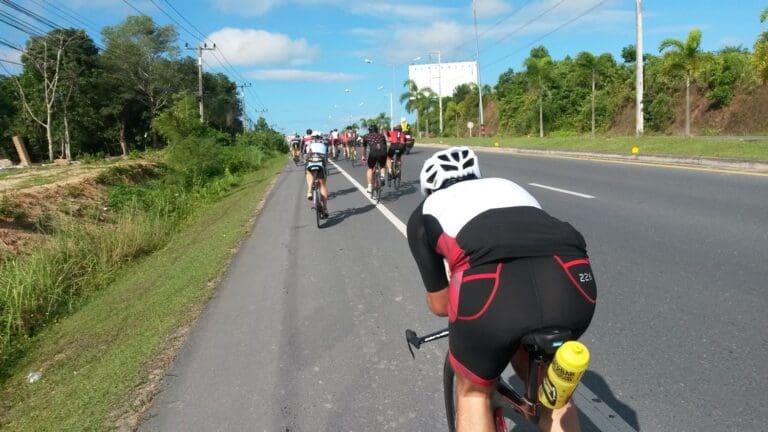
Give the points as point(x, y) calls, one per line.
point(562, 373)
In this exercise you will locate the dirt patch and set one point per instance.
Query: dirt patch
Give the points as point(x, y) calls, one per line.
point(746, 114)
point(29, 211)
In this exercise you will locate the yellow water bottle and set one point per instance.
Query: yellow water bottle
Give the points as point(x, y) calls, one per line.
point(563, 374)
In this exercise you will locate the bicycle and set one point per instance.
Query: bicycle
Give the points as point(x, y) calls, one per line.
point(376, 185)
point(540, 345)
point(315, 165)
point(352, 156)
point(396, 174)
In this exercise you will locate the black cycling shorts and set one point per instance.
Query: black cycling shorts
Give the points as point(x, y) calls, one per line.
point(395, 148)
point(373, 158)
point(494, 305)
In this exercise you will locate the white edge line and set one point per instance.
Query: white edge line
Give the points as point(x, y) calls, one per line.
point(597, 416)
point(561, 190)
point(382, 208)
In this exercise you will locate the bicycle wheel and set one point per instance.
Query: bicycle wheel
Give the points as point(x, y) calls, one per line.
point(449, 394)
point(398, 176)
point(318, 205)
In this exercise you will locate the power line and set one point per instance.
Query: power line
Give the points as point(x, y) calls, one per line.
point(496, 24)
point(517, 30)
point(29, 13)
point(20, 25)
point(10, 62)
point(134, 8)
point(185, 19)
point(598, 4)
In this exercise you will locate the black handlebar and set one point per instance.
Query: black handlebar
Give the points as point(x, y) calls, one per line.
point(413, 339)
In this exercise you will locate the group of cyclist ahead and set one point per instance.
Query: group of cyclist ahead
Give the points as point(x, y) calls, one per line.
point(382, 150)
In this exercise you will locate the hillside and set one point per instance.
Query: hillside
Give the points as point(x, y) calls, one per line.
point(747, 114)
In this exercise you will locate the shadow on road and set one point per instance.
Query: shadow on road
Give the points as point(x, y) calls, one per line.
point(337, 216)
point(390, 194)
point(597, 385)
point(341, 192)
point(600, 388)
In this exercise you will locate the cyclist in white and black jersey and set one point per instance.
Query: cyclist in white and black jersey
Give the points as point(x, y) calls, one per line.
point(514, 268)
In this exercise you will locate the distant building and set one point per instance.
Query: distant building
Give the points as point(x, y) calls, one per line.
point(445, 77)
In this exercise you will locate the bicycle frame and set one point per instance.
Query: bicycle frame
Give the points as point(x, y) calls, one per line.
point(527, 405)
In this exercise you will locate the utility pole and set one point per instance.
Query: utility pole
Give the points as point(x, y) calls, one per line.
point(242, 88)
point(639, 126)
point(439, 88)
point(479, 85)
point(200, 48)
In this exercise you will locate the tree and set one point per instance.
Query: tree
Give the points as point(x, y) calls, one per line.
point(539, 68)
point(9, 112)
point(592, 66)
point(41, 79)
point(629, 54)
point(452, 111)
point(760, 58)
point(684, 57)
point(139, 60)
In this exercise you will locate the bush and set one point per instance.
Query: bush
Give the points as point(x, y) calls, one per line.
point(660, 113)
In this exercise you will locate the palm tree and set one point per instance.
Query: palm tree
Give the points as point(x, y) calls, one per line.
point(410, 98)
point(452, 110)
point(594, 66)
point(539, 68)
point(685, 57)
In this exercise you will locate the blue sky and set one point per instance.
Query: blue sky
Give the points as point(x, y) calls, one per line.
point(305, 58)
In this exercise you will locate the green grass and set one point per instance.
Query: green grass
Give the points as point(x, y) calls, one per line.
point(729, 148)
point(93, 359)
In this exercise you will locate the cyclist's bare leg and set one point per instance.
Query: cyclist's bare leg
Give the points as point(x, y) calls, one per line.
point(559, 420)
point(369, 176)
point(473, 406)
point(309, 183)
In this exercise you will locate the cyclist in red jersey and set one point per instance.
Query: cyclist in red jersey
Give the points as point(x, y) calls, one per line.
point(396, 145)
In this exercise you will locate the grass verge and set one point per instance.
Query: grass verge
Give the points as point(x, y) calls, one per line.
point(95, 360)
point(727, 148)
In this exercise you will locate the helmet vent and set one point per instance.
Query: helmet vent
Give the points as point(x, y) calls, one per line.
point(443, 157)
point(431, 178)
point(449, 167)
point(469, 163)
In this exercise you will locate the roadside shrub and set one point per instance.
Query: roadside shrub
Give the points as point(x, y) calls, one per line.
point(660, 112)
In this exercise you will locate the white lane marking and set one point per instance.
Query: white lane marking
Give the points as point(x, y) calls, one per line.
point(382, 208)
point(561, 190)
point(604, 417)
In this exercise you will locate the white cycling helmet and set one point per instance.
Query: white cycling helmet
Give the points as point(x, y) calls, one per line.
point(452, 163)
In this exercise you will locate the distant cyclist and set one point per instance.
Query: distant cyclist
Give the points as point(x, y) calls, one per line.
point(396, 146)
point(317, 155)
point(513, 269)
point(376, 144)
point(296, 145)
point(305, 140)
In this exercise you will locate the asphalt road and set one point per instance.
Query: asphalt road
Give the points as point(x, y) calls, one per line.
point(306, 332)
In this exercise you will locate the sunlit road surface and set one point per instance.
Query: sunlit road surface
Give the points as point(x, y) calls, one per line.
point(306, 332)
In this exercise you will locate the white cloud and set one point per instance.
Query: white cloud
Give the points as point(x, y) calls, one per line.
point(301, 75)
point(491, 8)
point(406, 43)
point(246, 7)
point(250, 47)
point(392, 8)
point(12, 56)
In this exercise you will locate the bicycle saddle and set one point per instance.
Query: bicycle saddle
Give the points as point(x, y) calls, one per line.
point(547, 340)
